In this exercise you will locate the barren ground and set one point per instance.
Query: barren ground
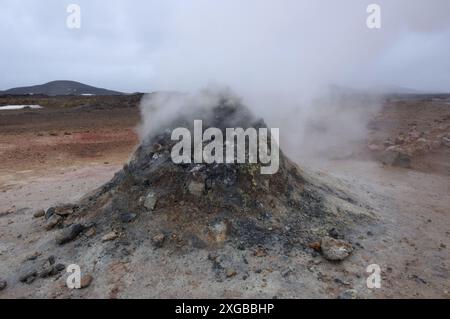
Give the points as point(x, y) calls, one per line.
point(56, 155)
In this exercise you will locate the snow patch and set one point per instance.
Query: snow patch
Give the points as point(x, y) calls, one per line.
point(19, 107)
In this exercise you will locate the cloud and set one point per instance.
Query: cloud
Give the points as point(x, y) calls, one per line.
point(145, 45)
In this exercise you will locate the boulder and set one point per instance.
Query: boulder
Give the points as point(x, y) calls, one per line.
point(393, 156)
point(68, 234)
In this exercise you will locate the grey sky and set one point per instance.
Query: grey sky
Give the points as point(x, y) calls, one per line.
point(250, 45)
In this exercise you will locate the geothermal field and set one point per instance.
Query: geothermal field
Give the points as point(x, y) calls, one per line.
point(233, 157)
point(79, 186)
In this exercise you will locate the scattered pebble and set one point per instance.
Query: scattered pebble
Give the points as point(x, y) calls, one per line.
point(3, 284)
point(196, 188)
point(39, 213)
point(50, 212)
point(150, 201)
point(333, 233)
point(53, 221)
point(90, 232)
point(68, 234)
point(315, 246)
point(127, 217)
point(33, 256)
point(29, 276)
point(158, 240)
point(110, 236)
point(86, 281)
point(349, 294)
point(260, 252)
point(231, 272)
point(335, 249)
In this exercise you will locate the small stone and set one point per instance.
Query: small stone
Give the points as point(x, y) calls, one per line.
point(64, 210)
point(50, 212)
point(39, 213)
point(287, 273)
point(69, 234)
point(348, 294)
point(446, 141)
point(60, 267)
point(51, 260)
point(29, 276)
point(317, 261)
point(219, 230)
point(150, 201)
point(86, 281)
point(197, 242)
point(33, 256)
point(260, 252)
point(231, 272)
point(110, 236)
point(158, 240)
point(46, 271)
point(52, 222)
point(196, 188)
point(212, 256)
point(3, 284)
point(335, 249)
point(127, 217)
point(374, 147)
point(315, 246)
point(333, 233)
point(90, 232)
point(393, 156)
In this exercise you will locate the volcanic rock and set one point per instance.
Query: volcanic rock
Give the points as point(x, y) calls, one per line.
point(28, 276)
point(68, 234)
point(53, 221)
point(348, 294)
point(394, 156)
point(50, 212)
point(196, 188)
point(150, 201)
point(39, 213)
point(335, 249)
point(110, 236)
point(86, 281)
point(3, 284)
point(158, 240)
point(446, 141)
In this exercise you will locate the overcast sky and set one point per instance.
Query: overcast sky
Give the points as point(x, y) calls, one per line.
point(166, 44)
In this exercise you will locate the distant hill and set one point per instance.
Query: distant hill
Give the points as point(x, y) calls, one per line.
point(60, 88)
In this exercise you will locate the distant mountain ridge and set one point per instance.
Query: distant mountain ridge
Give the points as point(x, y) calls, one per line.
point(55, 88)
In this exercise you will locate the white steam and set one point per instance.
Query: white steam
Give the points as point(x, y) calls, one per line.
point(284, 57)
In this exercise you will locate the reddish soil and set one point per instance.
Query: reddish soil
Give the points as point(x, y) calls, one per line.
point(38, 140)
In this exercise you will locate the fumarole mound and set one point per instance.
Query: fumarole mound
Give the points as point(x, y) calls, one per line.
point(153, 201)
